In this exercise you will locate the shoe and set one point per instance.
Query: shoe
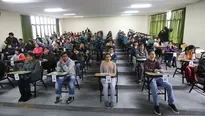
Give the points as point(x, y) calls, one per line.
point(107, 104)
point(174, 109)
point(57, 100)
point(111, 105)
point(69, 100)
point(21, 99)
point(27, 97)
point(157, 110)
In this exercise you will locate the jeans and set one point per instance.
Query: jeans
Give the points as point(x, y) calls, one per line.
point(71, 85)
point(168, 86)
point(170, 58)
point(112, 87)
point(77, 69)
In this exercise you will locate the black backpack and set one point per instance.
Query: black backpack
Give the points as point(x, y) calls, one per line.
point(201, 66)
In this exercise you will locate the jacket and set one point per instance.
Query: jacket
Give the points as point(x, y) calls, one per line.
point(34, 67)
point(38, 51)
point(69, 67)
point(20, 57)
point(68, 46)
point(140, 54)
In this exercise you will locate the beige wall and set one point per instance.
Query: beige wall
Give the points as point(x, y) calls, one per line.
point(9, 22)
point(194, 31)
point(114, 24)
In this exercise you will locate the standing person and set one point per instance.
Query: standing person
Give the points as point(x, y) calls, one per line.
point(152, 65)
point(11, 40)
point(65, 64)
point(99, 46)
point(108, 66)
point(164, 35)
point(33, 65)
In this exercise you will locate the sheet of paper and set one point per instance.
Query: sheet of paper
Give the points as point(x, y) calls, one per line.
point(16, 76)
point(108, 79)
point(165, 78)
point(12, 63)
point(53, 78)
point(175, 54)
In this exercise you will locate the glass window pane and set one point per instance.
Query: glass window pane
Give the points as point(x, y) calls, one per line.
point(45, 20)
point(46, 29)
point(54, 21)
point(42, 20)
point(49, 30)
point(34, 31)
point(42, 31)
point(49, 22)
point(38, 30)
point(33, 21)
point(37, 20)
point(52, 29)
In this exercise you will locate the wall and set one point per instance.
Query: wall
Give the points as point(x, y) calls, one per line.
point(114, 24)
point(9, 22)
point(194, 31)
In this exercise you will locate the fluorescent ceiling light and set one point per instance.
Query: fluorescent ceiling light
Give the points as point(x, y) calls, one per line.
point(128, 12)
point(71, 14)
point(78, 16)
point(140, 5)
point(54, 10)
point(19, 1)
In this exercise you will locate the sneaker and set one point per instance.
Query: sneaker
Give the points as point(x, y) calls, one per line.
point(107, 104)
point(21, 99)
point(174, 109)
point(157, 110)
point(111, 105)
point(57, 100)
point(69, 100)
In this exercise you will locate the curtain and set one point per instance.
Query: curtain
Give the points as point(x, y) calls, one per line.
point(26, 27)
point(157, 23)
point(57, 26)
point(177, 24)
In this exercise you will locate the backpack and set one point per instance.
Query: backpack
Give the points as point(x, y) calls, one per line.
point(201, 67)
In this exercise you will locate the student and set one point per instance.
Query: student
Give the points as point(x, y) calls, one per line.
point(134, 48)
point(82, 48)
point(29, 46)
point(18, 56)
point(77, 56)
point(112, 54)
point(11, 40)
point(188, 54)
point(32, 65)
point(37, 50)
point(99, 46)
point(65, 64)
point(68, 45)
point(158, 47)
point(170, 57)
point(51, 63)
point(152, 65)
point(108, 66)
point(21, 44)
point(141, 53)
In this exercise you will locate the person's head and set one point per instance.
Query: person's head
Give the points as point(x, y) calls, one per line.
point(30, 56)
point(111, 49)
point(11, 35)
point(110, 42)
point(46, 50)
point(20, 40)
point(141, 46)
point(191, 49)
point(135, 43)
point(82, 45)
point(158, 40)
point(76, 51)
point(170, 44)
point(17, 51)
point(65, 56)
point(99, 34)
point(151, 55)
point(36, 45)
point(107, 57)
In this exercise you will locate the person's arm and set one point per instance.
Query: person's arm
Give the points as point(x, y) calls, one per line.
point(22, 57)
point(58, 68)
point(69, 66)
point(13, 57)
point(193, 56)
point(146, 67)
point(158, 67)
point(101, 67)
point(114, 69)
point(181, 56)
point(36, 69)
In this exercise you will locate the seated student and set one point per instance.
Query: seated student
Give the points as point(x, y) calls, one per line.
point(51, 63)
point(82, 48)
point(21, 44)
point(112, 54)
point(18, 56)
point(68, 45)
point(134, 48)
point(56, 50)
point(77, 56)
point(37, 50)
point(9, 50)
point(29, 46)
point(33, 65)
point(170, 57)
point(188, 54)
point(66, 65)
point(141, 53)
point(108, 66)
point(158, 47)
point(152, 65)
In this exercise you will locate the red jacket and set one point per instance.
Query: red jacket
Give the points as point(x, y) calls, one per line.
point(38, 51)
point(21, 57)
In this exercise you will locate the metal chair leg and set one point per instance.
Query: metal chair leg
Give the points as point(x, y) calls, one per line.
point(191, 88)
point(43, 83)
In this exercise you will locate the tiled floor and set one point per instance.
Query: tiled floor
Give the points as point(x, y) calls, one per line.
point(131, 100)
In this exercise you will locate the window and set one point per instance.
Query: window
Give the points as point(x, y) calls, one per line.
point(169, 14)
point(42, 26)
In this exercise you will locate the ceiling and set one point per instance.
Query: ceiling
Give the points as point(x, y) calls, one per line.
point(93, 8)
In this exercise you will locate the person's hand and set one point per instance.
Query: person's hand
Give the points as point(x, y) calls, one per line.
point(156, 70)
point(62, 62)
point(161, 71)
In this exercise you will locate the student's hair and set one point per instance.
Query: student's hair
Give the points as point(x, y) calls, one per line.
point(170, 42)
point(67, 53)
point(141, 44)
point(45, 48)
point(12, 34)
point(111, 47)
point(107, 54)
point(160, 43)
point(20, 39)
point(150, 51)
point(19, 50)
point(30, 54)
